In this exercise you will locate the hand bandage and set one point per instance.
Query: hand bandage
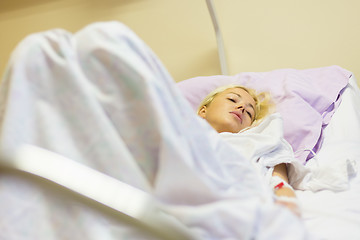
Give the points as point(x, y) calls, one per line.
point(276, 183)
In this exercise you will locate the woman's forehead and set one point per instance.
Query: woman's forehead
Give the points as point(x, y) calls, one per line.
point(238, 91)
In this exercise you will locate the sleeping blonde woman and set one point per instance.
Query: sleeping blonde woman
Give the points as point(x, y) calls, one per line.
point(234, 111)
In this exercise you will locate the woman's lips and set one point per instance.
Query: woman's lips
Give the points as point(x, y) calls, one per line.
point(238, 115)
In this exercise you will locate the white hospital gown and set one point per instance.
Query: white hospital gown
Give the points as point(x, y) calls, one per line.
point(103, 99)
point(265, 147)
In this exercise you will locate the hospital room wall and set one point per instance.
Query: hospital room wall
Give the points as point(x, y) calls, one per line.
point(259, 36)
point(179, 32)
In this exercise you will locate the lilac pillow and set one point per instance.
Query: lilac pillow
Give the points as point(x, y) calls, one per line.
point(306, 99)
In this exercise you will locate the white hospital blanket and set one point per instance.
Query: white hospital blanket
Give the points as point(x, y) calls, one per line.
point(102, 98)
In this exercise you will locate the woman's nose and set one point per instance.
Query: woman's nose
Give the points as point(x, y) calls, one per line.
point(241, 107)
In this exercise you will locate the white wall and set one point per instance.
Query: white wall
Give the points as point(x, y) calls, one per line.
point(179, 32)
point(266, 35)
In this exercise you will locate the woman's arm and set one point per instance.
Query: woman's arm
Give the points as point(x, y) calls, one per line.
point(280, 171)
point(285, 193)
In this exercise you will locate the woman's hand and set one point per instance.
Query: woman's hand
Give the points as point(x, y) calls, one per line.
point(292, 206)
point(286, 197)
point(285, 192)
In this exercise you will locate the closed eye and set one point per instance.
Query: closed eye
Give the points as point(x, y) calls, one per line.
point(250, 115)
point(232, 100)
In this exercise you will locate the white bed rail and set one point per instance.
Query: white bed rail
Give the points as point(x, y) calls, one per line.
point(219, 38)
point(122, 198)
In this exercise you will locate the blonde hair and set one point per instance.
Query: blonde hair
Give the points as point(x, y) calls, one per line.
point(264, 104)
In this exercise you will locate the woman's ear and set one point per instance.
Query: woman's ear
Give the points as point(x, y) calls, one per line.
point(202, 112)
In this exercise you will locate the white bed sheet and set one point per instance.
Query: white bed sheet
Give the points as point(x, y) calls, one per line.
point(331, 208)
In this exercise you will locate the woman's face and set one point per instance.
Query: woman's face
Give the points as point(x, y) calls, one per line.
point(230, 111)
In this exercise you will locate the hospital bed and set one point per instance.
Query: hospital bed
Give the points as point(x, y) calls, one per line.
point(325, 138)
point(71, 168)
